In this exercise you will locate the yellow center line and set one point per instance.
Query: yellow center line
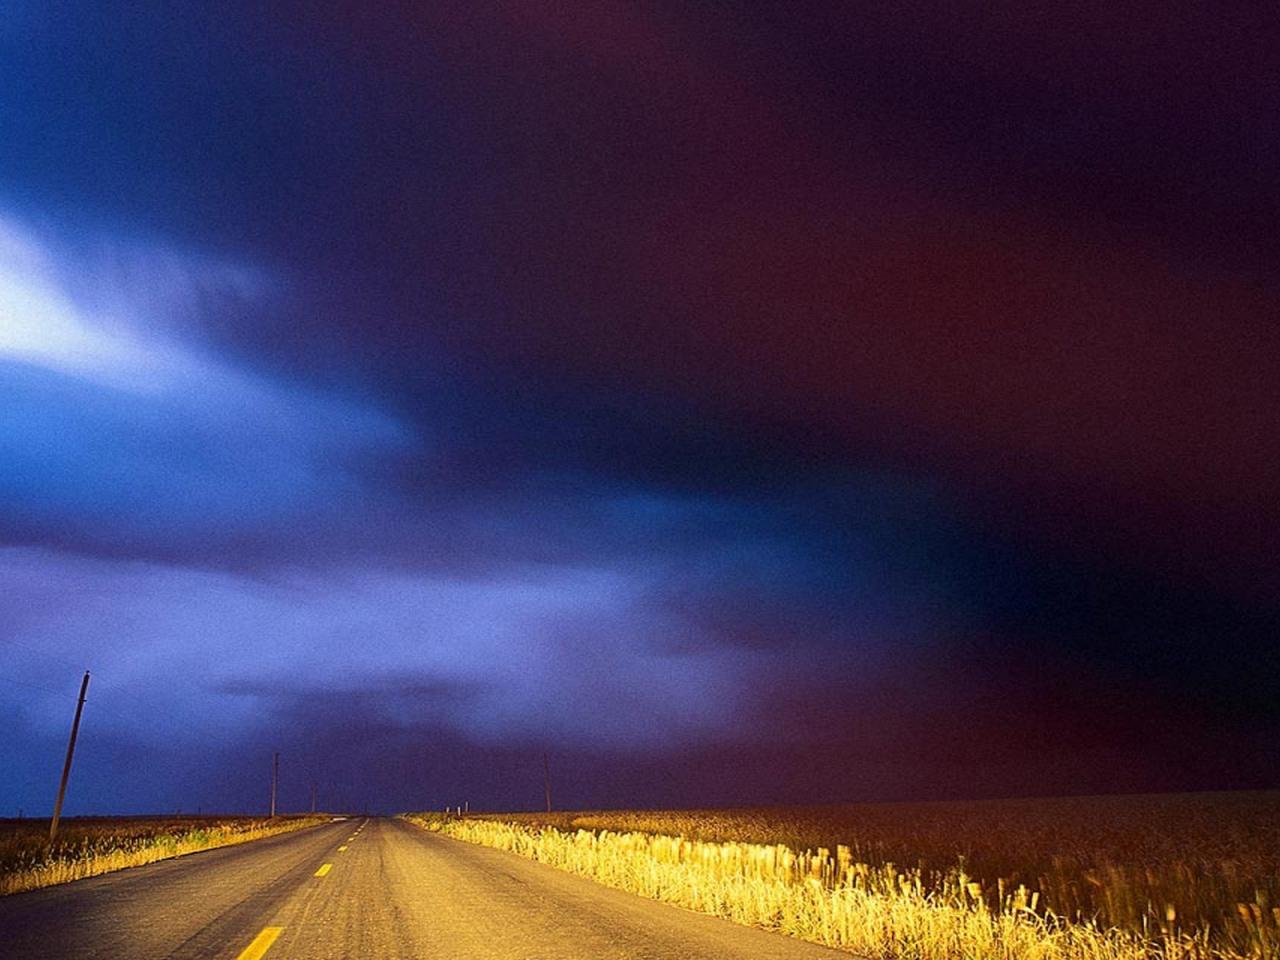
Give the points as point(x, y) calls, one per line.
point(261, 944)
point(341, 848)
point(325, 869)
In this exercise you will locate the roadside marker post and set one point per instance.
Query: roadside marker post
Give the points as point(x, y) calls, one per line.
point(275, 777)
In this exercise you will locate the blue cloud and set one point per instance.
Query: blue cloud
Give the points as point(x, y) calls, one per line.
point(110, 419)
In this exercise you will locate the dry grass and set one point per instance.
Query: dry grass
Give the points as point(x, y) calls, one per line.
point(87, 846)
point(1181, 876)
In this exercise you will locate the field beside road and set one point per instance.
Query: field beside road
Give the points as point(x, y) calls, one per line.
point(1193, 876)
point(87, 846)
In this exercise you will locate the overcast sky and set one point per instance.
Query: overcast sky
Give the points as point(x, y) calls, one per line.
point(748, 403)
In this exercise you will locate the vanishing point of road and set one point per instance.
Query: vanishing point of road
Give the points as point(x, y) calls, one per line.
point(366, 890)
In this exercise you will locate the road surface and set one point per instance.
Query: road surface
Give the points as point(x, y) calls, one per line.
point(365, 890)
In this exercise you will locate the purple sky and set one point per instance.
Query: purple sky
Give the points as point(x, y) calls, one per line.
point(740, 405)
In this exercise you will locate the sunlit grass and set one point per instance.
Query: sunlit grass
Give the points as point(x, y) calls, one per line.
point(89, 846)
point(1192, 877)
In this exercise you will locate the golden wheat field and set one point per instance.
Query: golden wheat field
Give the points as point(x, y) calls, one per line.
point(1095, 878)
point(87, 846)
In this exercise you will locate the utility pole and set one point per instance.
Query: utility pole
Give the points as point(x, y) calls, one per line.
point(546, 779)
point(313, 796)
point(66, 765)
point(275, 776)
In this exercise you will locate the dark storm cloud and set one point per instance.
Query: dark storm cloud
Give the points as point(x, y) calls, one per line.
point(745, 391)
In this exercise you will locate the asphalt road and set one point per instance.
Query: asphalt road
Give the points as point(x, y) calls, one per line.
point(364, 890)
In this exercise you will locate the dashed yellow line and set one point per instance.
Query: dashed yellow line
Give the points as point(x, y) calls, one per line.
point(261, 944)
point(323, 870)
point(341, 848)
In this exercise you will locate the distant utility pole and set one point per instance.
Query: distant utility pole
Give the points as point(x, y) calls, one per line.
point(546, 779)
point(275, 777)
point(66, 765)
point(313, 796)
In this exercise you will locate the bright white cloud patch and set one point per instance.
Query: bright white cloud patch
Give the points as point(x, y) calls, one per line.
point(43, 322)
point(110, 411)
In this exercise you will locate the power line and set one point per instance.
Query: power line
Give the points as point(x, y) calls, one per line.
point(44, 654)
point(107, 703)
point(33, 686)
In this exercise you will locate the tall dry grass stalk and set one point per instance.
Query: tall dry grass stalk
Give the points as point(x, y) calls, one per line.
point(833, 900)
point(28, 862)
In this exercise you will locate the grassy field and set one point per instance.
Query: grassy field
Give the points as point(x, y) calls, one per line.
point(1188, 876)
point(87, 846)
